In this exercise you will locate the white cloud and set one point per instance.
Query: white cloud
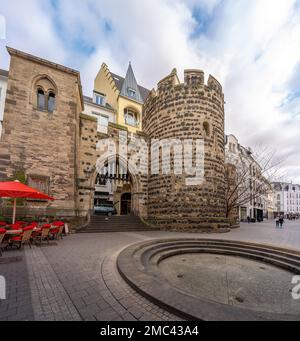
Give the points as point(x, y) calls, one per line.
point(252, 47)
point(29, 28)
point(151, 34)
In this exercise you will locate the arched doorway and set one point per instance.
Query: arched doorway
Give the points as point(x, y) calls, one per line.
point(113, 187)
point(126, 204)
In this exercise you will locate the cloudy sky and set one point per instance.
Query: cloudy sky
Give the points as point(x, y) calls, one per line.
point(251, 46)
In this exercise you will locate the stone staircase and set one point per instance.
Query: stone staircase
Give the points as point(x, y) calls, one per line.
point(128, 223)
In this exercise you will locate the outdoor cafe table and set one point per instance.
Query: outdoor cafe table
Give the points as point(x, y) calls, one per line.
point(13, 232)
point(16, 232)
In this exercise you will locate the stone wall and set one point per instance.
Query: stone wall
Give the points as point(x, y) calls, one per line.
point(192, 110)
point(87, 157)
point(39, 143)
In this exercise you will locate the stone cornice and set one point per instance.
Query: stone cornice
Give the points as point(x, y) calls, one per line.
point(88, 117)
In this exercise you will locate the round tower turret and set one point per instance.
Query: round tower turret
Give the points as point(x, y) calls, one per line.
point(181, 113)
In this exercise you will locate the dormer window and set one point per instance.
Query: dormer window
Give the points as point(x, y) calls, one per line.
point(99, 99)
point(131, 93)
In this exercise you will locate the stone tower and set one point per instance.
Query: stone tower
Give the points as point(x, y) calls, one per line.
point(193, 110)
point(40, 142)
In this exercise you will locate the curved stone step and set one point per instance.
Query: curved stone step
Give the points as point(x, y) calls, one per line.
point(233, 245)
point(139, 266)
point(285, 257)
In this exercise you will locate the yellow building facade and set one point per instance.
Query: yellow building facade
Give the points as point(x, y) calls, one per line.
point(124, 95)
point(126, 98)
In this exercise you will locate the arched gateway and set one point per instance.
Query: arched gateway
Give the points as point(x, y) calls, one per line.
point(105, 178)
point(114, 188)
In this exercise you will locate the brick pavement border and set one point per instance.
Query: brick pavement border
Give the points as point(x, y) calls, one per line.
point(133, 305)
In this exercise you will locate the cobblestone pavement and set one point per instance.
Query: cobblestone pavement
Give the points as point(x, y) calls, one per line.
point(77, 279)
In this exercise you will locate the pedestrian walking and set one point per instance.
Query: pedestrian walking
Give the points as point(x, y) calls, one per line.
point(277, 223)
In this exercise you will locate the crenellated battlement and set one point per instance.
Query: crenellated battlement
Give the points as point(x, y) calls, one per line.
point(168, 82)
point(193, 79)
point(214, 84)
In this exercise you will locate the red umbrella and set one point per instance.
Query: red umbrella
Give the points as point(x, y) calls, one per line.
point(16, 190)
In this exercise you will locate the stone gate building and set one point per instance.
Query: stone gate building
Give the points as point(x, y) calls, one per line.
point(51, 143)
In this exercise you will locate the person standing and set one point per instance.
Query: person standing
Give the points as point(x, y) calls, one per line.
point(281, 221)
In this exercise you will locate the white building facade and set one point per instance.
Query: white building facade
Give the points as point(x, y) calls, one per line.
point(3, 87)
point(286, 199)
point(100, 110)
point(256, 206)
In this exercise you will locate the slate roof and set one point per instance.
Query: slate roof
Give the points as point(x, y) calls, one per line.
point(120, 82)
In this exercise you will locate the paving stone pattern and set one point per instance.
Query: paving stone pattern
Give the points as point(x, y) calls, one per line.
point(77, 279)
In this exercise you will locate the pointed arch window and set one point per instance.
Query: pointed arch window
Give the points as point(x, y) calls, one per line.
point(41, 99)
point(51, 102)
point(45, 91)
